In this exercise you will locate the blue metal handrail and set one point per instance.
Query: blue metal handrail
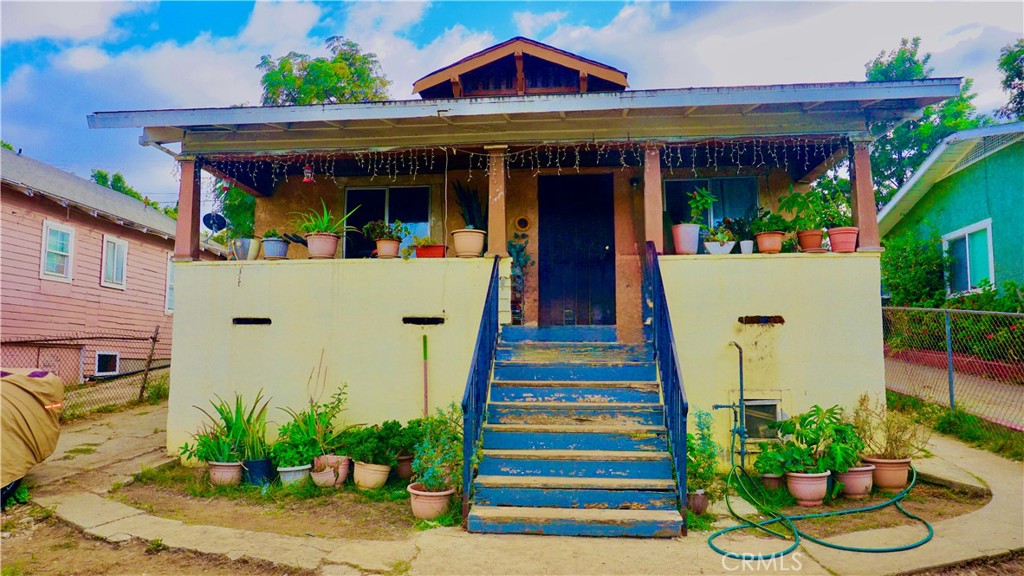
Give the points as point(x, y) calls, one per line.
point(658, 329)
point(474, 399)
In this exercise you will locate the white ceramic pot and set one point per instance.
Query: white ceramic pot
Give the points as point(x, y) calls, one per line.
point(686, 238)
point(746, 246)
point(293, 474)
point(718, 247)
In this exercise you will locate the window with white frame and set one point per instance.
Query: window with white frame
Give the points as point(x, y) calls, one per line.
point(735, 197)
point(107, 363)
point(970, 251)
point(57, 260)
point(169, 293)
point(114, 272)
point(409, 204)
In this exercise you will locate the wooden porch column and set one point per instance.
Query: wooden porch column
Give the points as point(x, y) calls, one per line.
point(654, 228)
point(186, 238)
point(862, 197)
point(497, 242)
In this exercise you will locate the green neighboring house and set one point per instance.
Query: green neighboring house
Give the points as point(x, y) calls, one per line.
point(970, 189)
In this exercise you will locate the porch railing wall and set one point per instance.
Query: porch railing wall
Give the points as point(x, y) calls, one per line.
point(474, 399)
point(658, 327)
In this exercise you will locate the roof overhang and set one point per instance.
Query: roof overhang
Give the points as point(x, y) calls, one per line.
point(675, 115)
point(956, 152)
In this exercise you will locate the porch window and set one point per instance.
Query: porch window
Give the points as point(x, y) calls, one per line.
point(734, 198)
point(971, 251)
point(58, 252)
point(410, 204)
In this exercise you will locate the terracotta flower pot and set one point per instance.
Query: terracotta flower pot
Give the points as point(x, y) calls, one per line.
point(889, 474)
point(772, 481)
point(698, 502)
point(469, 242)
point(857, 481)
point(428, 505)
point(769, 242)
point(843, 239)
point(326, 477)
point(403, 469)
point(809, 239)
point(686, 238)
point(339, 463)
point(432, 251)
point(225, 473)
point(808, 489)
point(719, 247)
point(387, 249)
point(322, 245)
point(370, 476)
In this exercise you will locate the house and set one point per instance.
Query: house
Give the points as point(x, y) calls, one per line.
point(81, 258)
point(970, 190)
point(616, 329)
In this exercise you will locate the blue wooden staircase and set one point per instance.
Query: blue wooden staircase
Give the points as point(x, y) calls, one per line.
point(575, 439)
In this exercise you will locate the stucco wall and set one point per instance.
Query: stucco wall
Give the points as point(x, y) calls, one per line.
point(992, 188)
point(350, 311)
point(828, 351)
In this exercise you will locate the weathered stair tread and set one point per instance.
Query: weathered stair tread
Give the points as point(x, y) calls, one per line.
point(569, 406)
point(597, 515)
point(577, 483)
point(577, 454)
point(578, 428)
point(651, 385)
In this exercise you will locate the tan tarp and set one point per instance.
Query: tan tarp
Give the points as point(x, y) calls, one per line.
point(31, 420)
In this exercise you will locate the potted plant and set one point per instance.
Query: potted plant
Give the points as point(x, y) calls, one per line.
point(845, 451)
point(387, 236)
point(836, 217)
point(298, 443)
point(404, 445)
point(322, 231)
point(806, 210)
point(469, 241)
point(317, 422)
point(814, 448)
point(240, 240)
point(891, 440)
point(424, 247)
point(686, 236)
point(437, 464)
point(768, 229)
point(720, 240)
point(372, 450)
point(217, 444)
point(701, 465)
point(274, 246)
point(740, 228)
point(769, 463)
point(257, 468)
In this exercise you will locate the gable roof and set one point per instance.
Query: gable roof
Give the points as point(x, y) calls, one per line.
point(34, 177)
point(955, 153)
point(522, 45)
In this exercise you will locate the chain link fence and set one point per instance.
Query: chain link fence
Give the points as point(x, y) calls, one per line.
point(100, 370)
point(968, 363)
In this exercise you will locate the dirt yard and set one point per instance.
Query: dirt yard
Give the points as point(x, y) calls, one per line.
point(181, 493)
point(35, 543)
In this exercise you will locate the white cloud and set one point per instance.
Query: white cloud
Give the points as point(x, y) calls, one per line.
point(531, 23)
point(84, 58)
point(25, 20)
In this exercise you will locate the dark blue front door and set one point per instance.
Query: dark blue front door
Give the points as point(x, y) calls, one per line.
point(576, 250)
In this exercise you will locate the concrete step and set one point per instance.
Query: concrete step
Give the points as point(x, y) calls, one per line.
point(558, 333)
point(575, 371)
point(575, 522)
point(577, 463)
point(543, 352)
point(571, 492)
point(599, 392)
point(574, 437)
point(575, 413)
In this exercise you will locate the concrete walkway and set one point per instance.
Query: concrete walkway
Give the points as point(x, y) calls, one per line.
point(126, 442)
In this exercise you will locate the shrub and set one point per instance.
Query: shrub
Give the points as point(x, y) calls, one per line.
point(961, 424)
point(702, 457)
point(438, 461)
point(913, 270)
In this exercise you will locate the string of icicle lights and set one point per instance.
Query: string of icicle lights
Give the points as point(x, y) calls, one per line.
point(712, 153)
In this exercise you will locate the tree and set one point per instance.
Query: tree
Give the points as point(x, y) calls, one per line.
point(237, 207)
point(901, 150)
point(349, 75)
point(6, 144)
point(119, 184)
point(1011, 64)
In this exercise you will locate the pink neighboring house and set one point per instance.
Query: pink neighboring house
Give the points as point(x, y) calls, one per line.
point(79, 257)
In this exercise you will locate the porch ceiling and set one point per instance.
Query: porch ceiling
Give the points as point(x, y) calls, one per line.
point(671, 115)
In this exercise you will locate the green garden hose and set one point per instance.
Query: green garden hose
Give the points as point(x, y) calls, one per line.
point(794, 533)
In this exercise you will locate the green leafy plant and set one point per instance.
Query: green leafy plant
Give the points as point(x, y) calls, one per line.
point(836, 211)
point(316, 222)
point(521, 259)
point(373, 444)
point(211, 444)
point(806, 208)
point(405, 441)
point(272, 233)
point(888, 433)
point(700, 201)
point(20, 496)
point(720, 234)
point(252, 444)
point(913, 270)
point(740, 228)
point(419, 241)
point(770, 460)
point(702, 457)
point(468, 199)
point(820, 440)
point(769, 222)
point(438, 456)
point(381, 230)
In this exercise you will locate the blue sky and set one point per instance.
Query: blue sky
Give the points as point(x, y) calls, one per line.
point(62, 61)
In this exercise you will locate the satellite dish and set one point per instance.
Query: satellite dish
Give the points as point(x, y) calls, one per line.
point(215, 222)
